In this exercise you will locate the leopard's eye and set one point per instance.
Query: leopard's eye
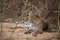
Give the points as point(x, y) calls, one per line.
point(23, 21)
point(26, 24)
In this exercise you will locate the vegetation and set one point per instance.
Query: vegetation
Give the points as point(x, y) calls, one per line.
point(15, 9)
point(59, 20)
point(59, 16)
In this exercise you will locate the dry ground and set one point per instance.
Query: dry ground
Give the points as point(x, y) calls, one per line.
point(19, 34)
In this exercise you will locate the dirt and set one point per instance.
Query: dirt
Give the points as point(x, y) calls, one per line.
point(19, 34)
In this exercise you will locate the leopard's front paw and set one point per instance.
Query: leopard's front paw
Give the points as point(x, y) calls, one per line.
point(34, 34)
point(27, 33)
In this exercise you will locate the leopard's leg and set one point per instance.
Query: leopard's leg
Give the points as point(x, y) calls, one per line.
point(38, 31)
point(29, 31)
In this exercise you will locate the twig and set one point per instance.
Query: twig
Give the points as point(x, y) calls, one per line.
point(12, 32)
point(1, 27)
point(20, 17)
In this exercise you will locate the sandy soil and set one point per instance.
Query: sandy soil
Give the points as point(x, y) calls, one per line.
point(19, 34)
